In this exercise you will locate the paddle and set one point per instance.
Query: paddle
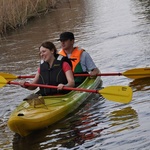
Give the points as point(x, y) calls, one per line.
point(122, 94)
point(132, 73)
point(11, 77)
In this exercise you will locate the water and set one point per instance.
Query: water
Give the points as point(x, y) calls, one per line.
point(116, 33)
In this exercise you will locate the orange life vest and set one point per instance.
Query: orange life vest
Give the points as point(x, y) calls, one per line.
point(76, 65)
point(74, 57)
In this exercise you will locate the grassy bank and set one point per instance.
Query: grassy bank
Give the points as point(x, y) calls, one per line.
point(15, 13)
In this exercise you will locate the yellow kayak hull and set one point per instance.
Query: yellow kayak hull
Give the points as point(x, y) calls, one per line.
point(28, 117)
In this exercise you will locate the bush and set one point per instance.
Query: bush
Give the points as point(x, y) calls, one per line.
point(15, 13)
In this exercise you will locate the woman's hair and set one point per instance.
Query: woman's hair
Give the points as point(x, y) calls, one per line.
point(50, 46)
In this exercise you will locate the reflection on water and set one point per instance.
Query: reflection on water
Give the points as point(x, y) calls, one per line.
point(126, 117)
point(142, 84)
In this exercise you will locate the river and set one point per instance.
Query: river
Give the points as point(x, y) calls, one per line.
point(116, 33)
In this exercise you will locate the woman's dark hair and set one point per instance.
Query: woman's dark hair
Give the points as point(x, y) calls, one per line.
point(50, 46)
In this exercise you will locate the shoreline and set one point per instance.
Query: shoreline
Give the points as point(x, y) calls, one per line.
point(22, 11)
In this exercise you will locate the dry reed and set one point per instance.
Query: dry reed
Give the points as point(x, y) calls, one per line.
point(15, 13)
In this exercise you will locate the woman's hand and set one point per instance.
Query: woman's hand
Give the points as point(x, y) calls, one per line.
point(22, 84)
point(60, 86)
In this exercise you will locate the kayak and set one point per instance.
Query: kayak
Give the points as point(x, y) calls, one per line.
point(38, 113)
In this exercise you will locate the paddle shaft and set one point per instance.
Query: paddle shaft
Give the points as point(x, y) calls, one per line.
point(101, 74)
point(76, 75)
point(25, 76)
point(132, 73)
point(55, 87)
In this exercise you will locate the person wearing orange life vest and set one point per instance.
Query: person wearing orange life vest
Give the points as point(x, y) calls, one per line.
point(81, 60)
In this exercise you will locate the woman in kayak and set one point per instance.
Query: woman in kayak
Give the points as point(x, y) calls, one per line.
point(54, 70)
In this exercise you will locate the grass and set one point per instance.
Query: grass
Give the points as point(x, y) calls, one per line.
point(15, 13)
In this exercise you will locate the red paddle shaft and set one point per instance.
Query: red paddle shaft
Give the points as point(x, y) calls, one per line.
point(76, 75)
point(54, 87)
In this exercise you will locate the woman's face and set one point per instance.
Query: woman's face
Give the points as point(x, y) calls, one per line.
point(46, 54)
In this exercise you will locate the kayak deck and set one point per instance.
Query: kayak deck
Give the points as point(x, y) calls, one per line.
point(28, 117)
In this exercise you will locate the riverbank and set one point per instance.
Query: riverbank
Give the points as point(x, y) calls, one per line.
point(17, 13)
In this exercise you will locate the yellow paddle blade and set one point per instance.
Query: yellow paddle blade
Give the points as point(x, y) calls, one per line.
point(8, 76)
point(122, 94)
point(137, 73)
point(3, 81)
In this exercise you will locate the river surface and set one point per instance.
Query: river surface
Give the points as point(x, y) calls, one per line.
point(116, 33)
